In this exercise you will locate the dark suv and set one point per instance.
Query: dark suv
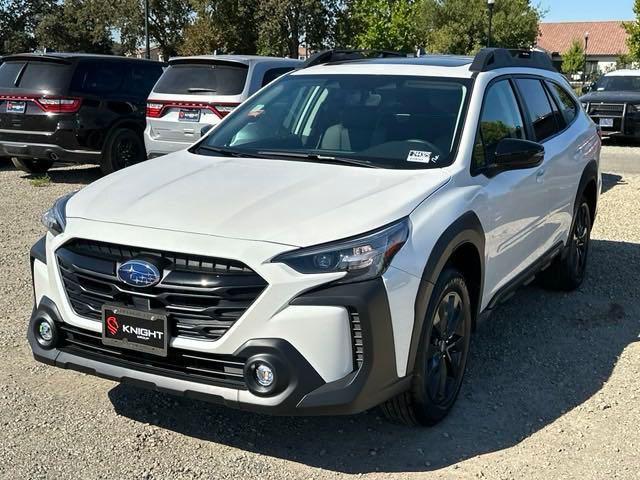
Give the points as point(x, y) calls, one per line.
point(74, 108)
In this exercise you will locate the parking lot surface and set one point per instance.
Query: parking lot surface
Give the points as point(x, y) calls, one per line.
point(551, 392)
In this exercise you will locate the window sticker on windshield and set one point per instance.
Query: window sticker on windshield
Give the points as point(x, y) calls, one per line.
point(422, 157)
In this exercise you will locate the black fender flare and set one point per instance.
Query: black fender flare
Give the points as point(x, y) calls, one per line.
point(466, 229)
point(590, 173)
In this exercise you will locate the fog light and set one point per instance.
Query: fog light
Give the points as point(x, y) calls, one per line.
point(45, 332)
point(264, 375)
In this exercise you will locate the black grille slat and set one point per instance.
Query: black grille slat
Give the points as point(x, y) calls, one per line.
point(223, 370)
point(203, 297)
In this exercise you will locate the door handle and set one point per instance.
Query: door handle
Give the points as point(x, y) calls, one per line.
point(540, 175)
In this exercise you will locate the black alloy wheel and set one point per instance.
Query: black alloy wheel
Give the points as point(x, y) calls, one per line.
point(446, 351)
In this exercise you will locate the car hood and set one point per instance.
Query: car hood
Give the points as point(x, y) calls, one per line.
point(288, 202)
point(616, 97)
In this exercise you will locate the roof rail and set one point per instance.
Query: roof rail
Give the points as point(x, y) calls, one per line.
point(340, 55)
point(491, 58)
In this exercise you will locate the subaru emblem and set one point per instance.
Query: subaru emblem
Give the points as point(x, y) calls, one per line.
point(139, 273)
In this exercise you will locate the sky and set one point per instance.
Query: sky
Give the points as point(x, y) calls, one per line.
point(585, 10)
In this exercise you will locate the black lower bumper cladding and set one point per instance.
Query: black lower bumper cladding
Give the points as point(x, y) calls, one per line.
point(301, 390)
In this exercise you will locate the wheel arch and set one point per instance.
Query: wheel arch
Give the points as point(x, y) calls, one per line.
point(463, 245)
point(588, 187)
point(128, 123)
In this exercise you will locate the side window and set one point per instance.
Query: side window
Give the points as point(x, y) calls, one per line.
point(566, 102)
point(541, 114)
point(99, 78)
point(273, 73)
point(500, 118)
point(142, 79)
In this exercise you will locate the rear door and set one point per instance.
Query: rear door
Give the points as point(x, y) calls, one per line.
point(191, 94)
point(555, 174)
point(33, 95)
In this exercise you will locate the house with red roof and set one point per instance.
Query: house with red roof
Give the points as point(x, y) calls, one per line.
point(605, 42)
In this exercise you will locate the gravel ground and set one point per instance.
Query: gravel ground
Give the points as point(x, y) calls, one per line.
point(551, 392)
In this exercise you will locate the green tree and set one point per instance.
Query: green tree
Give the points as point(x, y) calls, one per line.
point(225, 25)
point(285, 24)
point(168, 20)
point(461, 26)
point(378, 24)
point(573, 59)
point(18, 21)
point(633, 32)
point(76, 26)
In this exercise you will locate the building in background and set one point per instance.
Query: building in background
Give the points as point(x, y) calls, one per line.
point(607, 41)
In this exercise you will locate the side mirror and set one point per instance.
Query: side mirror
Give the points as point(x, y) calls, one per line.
point(204, 130)
point(588, 88)
point(515, 154)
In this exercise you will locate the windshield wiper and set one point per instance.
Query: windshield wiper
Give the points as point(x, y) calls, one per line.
point(314, 157)
point(227, 152)
point(200, 89)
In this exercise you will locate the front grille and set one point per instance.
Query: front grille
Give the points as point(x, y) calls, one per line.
point(613, 109)
point(357, 344)
point(202, 296)
point(222, 370)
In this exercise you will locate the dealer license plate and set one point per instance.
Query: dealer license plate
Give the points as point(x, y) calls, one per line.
point(606, 122)
point(138, 330)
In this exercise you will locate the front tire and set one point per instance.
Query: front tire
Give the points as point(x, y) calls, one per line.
point(568, 270)
point(123, 148)
point(442, 356)
point(32, 166)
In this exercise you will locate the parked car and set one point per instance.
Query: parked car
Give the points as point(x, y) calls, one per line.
point(613, 102)
point(75, 108)
point(332, 244)
point(198, 92)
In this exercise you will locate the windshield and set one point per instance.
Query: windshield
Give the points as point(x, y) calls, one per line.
point(381, 120)
point(203, 79)
point(621, 83)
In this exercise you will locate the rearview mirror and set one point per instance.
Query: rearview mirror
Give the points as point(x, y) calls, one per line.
point(204, 130)
point(515, 154)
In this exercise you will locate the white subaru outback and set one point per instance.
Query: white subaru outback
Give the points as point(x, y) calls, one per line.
point(332, 244)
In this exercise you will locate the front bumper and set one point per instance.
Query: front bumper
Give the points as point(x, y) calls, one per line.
point(309, 387)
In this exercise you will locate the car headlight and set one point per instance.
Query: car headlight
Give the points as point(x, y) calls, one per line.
point(55, 219)
point(362, 258)
point(633, 108)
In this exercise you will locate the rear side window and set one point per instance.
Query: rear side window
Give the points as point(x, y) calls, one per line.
point(273, 73)
point(540, 111)
point(99, 78)
point(9, 73)
point(500, 118)
point(564, 99)
point(142, 78)
point(203, 79)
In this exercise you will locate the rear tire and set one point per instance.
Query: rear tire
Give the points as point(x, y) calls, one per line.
point(123, 148)
point(442, 356)
point(568, 270)
point(32, 166)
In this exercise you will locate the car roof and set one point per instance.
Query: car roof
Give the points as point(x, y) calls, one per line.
point(72, 56)
point(385, 62)
point(245, 59)
point(623, 73)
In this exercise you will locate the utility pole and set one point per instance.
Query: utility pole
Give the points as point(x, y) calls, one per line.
point(584, 63)
point(490, 4)
point(146, 29)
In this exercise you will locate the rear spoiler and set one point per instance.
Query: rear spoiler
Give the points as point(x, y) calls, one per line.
point(37, 58)
point(206, 61)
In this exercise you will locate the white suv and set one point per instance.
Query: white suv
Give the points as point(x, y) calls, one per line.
point(330, 246)
point(198, 92)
